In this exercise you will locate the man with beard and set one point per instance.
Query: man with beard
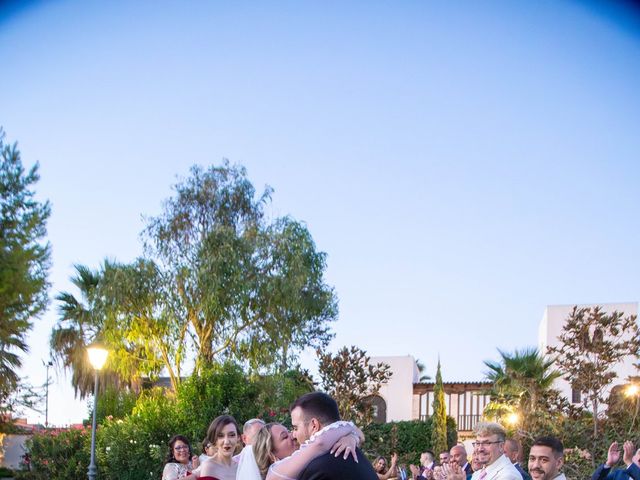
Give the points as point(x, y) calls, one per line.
point(309, 414)
point(489, 450)
point(631, 459)
point(546, 459)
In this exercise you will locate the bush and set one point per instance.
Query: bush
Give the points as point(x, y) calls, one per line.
point(115, 403)
point(408, 439)
point(217, 390)
point(135, 447)
point(58, 454)
point(6, 472)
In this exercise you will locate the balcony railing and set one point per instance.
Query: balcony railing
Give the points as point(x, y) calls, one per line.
point(465, 423)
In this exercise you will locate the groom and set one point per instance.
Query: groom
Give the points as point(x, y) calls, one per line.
point(309, 414)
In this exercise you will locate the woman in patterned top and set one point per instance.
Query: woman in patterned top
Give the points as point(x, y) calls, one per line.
point(180, 460)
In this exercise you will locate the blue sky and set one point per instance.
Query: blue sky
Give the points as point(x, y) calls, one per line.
point(463, 164)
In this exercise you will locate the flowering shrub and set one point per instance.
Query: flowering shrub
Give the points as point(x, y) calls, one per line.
point(58, 453)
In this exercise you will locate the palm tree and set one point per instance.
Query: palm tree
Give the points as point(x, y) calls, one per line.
point(421, 369)
point(522, 380)
point(80, 324)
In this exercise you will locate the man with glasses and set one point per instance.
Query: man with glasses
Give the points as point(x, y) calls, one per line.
point(489, 450)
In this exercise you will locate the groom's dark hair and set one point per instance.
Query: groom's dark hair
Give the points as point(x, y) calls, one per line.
point(318, 405)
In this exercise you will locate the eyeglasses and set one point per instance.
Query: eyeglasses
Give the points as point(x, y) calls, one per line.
point(485, 444)
point(181, 447)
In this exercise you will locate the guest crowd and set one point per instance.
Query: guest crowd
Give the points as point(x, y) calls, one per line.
point(320, 446)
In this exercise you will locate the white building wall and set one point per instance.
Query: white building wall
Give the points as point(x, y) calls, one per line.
point(550, 328)
point(398, 392)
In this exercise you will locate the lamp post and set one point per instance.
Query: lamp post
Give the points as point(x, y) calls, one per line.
point(46, 408)
point(633, 391)
point(97, 357)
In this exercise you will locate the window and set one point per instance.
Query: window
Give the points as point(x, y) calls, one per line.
point(575, 396)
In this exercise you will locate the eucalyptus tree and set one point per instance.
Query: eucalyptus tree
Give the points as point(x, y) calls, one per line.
point(218, 281)
point(243, 285)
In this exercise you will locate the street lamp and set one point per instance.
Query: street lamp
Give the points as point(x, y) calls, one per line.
point(633, 391)
point(513, 418)
point(46, 408)
point(97, 356)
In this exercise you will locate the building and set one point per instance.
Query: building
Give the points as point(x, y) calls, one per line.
point(404, 397)
point(465, 402)
point(551, 326)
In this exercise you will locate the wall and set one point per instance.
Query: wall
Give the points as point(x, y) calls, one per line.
point(398, 393)
point(550, 328)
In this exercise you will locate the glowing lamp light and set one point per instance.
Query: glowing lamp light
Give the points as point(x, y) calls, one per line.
point(632, 390)
point(512, 418)
point(97, 356)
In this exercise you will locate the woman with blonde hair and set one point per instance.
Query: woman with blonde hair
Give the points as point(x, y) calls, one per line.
point(277, 456)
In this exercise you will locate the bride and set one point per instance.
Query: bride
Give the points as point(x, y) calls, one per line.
point(274, 455)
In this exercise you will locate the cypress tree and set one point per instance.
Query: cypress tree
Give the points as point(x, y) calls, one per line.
point(439, 431)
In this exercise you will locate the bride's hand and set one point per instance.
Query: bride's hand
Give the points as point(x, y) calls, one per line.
point(346, 444)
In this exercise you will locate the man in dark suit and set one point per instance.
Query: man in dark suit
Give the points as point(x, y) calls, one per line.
point(631, 460)
point(513, 450)
point(309, 414)
point(458, 454)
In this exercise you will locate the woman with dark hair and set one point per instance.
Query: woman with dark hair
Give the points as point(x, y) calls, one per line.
point(223, 433)
point(180, 460)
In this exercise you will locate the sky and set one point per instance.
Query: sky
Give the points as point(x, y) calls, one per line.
point(463, 164)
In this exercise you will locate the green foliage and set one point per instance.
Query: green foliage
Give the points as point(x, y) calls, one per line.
point(439, 417)
point(522, 384)
point(407, 439)
point(6, 472)
point(216, 390)
point(58, 454)
point(81, 322)
point(246, 288)
point(24, 263)
point(115, 403)
point(591, 344)
point(135, 447)
point(218, 278)
point(351, 380)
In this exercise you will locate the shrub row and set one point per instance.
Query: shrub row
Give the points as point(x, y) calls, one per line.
point(134, 446)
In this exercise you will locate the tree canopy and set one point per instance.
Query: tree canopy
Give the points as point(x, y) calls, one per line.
point(351, 379)
point(523, 385)
point(218, 280)
point(592, 342)
point(24, 260)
